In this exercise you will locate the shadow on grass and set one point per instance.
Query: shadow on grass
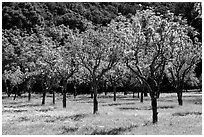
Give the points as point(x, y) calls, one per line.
point(191, 96)
point(45, 109)
point(14, 111)
point(12, 96)
point(80, 100)
point(13, 102)
point(118, 104)
point(134, 108)
point(55, 119)
point(66, 129)
point(186, 113)
point(198, 103)
point(165, 107)
point(24, 105)
point(91, 101)
point(146, 108)
point(22, 119)
point(110, 96)
point(114, 131)
point(135, 99)
point(197, 100)
point(165, 100)
point(4, 97)
point(76, 117)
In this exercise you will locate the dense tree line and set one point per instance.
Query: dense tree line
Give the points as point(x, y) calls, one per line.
point(132, 46)
point(27, 15)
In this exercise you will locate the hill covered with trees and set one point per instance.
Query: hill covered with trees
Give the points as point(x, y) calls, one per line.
point(76, 15)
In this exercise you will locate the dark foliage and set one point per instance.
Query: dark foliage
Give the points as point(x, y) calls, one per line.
point(28, 14)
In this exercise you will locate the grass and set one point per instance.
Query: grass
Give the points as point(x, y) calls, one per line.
point(126, 116)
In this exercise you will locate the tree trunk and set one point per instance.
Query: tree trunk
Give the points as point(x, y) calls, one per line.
point(95, 102)
point(64, 93)
point(9, 94)
point(145, 91)
point(7, 90)
point(64, 99)
point(75, 91)
point(53, 97)
point(179, 95)
point(15, 92)
point(45, 88)
point(114, 91)
point(153, 88)
point(141, 99)
point(29, 95)
point(30, 87)
point(14, 96)
point(18, 92)
point(91, 90)
point(158, 91)
point(43, 99)
point(154, 109)
point(105, 88)
point(133, 94)
point(145, 94)
point(158, 94)
point(91, 94)
point(125, 92)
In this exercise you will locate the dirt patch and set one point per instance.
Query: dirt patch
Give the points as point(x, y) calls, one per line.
point(186, 113)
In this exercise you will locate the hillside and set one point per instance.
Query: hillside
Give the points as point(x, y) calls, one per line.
point(27, 15)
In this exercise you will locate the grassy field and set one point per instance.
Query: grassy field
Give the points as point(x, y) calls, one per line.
point(126, 116)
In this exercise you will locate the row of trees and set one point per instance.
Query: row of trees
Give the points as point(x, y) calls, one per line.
point(145, 45)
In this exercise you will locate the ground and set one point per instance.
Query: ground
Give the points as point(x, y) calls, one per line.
point(125, 116)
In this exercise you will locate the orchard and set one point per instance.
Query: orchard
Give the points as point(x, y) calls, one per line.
point(149, 53)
